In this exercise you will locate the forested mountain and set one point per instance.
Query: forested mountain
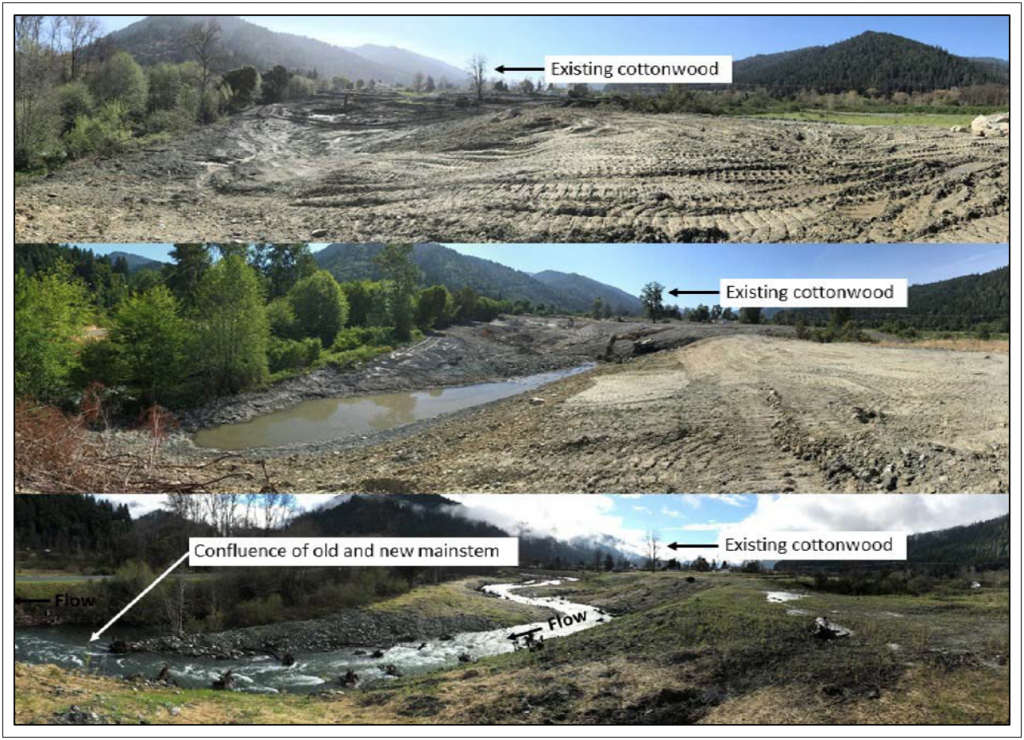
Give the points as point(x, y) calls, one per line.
point(883, 62)
point(444, 266)
point(108, 277)
point(136, 262)
point(160, 39)
point(86, 527)
point(410, 62)
point(429, 515)
point(981, 545)
point(960, 303)
point(579, 288)
point(69, 524)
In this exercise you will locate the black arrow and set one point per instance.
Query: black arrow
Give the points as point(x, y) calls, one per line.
point(20, 600)
point(676, 292)
point(524, 634)
point(503, 69)
point(677, 546)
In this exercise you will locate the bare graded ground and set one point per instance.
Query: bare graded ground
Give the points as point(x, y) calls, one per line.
point(732, 412)
point(394, 168)
point(743, 414)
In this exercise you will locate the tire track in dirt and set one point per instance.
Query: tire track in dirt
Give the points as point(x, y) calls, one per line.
point(390, 170)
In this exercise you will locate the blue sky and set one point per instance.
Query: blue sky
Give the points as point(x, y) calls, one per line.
point(693, 518)
point(524, 41)
point(701, 266)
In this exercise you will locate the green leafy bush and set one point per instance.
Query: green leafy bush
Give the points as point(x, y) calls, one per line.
point(361, 336)
point(73, 100)
point(104, 133)
point(292, 354)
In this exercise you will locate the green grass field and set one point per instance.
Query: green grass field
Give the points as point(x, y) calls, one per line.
point(945, 120)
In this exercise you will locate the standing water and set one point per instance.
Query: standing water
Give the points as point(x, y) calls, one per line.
point(70, 648)
point(326, 419)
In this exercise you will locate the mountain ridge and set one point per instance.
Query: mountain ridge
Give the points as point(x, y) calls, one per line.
point(445, 266)
point(157, 39)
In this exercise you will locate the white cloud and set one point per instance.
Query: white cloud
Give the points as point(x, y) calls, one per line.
point(560, 515)
point(732, 499)
point(871, 512)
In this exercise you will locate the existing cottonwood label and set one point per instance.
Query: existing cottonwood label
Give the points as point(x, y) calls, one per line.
point(813, 293)
point(353, 551)
point(633, 69)
point(814, 546)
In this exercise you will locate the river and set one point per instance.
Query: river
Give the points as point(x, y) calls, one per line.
point(326, 419)
point(70, 648)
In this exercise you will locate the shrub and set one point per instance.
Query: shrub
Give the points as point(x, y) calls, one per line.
point(292, 354)
point(266, 610)
point(73, 100)
point(173, 120)
point(362, 336)
point(103, 134)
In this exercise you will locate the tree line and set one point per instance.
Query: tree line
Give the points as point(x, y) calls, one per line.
point(215, 320)
point(75, 95)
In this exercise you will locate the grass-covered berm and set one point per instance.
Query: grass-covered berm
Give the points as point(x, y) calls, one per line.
point(715, 651)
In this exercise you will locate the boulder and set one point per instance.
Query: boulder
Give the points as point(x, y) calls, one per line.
point(226, 682)
point(978, 125)
point(826, 629)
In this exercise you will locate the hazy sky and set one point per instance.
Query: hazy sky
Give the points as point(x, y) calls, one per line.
point(524, 41)
point(694, 518)
point(701, 266)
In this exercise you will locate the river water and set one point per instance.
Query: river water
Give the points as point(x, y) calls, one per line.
point(325, 419)
point(70, 648)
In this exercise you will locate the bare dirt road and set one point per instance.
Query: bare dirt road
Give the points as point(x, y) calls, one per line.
point(728, 410)
point(392, 168)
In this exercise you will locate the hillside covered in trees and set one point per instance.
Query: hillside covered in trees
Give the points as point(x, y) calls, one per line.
point(881, 62)
point(979, 302)
point(978, 546)
point(441, 265)
point(124, 333)
point(79, 93)
point(163, 39)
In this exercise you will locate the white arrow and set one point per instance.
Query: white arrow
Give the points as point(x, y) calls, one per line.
point(104, 628)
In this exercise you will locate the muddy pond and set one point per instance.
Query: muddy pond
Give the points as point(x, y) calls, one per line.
point(70, 648)
point(326, 419)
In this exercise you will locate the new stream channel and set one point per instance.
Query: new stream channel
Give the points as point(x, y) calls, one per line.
point(325, 419)
point(70, 648)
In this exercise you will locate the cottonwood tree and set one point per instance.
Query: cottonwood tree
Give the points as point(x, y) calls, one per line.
point(477, 69)
point(652, 300)
point(652, 542)
point(79, 31)
point(203, 41)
